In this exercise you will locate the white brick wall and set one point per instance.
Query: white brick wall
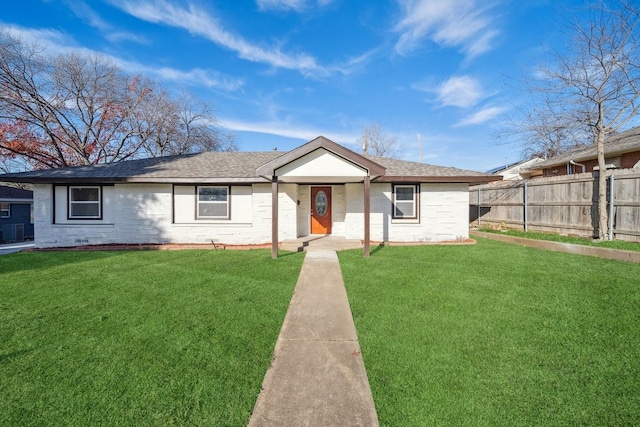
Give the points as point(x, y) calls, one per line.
point(443, 214)
point(142, 213)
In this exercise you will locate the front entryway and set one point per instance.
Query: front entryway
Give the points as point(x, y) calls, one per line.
point(320, 210)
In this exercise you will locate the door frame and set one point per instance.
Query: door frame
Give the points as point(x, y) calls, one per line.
point(330, 203)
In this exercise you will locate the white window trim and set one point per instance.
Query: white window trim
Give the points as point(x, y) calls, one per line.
point(416, 202)
point(227, 203)
point(8, 210)
point(70, 202)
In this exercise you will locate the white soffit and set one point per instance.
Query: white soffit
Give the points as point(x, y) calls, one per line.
point(320, 163)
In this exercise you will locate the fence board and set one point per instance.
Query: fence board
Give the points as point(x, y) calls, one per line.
point(566, 204)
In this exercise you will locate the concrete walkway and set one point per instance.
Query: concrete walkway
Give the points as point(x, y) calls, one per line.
point(317, 375)
point(10, 248)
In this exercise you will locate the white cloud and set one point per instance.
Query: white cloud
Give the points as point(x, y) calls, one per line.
point(54, 41)
point(466, 24)
point(57, 43)
point(195, 76)
point(288, 130)
point(460, 91)
point(481, 116)
point(83, 11)
point(197, 21)
point(297, 5)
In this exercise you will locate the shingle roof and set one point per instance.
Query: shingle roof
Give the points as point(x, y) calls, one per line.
point(201, 167)
point(223, 167)
point(616, 144)
point(402, 168)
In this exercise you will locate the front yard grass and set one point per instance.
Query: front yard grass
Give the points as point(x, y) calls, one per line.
point(497, 335)
point(138, 338)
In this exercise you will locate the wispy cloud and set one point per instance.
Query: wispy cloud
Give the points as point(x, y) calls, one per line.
point(288, 130)
point(465, 24)
point(460, 91)
point(194, 76)
point(57, 43)
point(297, 5)
point(199, 22)
point(83, 11)
point(54, 41)
point(481, 116)
point(457, 91)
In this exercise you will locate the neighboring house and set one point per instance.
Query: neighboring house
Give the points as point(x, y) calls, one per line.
point(622, 151)
point(249, 198)
point(513, 171)
point(16, 214)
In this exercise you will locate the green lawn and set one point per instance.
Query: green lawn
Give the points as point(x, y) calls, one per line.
point(138, 338)
point(497, 335)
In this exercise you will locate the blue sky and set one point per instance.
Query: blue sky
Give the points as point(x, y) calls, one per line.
point(282, 72)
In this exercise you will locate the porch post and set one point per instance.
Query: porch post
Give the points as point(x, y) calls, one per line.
point(367, 212)
point(274, 217)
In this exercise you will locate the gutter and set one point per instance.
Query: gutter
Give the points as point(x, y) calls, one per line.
point(584, 168)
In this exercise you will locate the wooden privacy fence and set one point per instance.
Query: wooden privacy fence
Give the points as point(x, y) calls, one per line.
point(566, 204)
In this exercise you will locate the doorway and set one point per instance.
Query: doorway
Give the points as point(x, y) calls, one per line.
point(320, 210)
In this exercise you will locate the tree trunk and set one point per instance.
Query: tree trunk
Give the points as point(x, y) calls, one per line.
point(602, 186)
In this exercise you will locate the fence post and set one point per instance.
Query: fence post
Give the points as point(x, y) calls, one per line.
point(478, 206)
point(612, 204)
point(526, 206)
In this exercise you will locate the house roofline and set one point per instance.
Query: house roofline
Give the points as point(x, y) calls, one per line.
point(256, 180)
point(268, 169)
point(443, 179)
point(140, 180)
point(14, 200)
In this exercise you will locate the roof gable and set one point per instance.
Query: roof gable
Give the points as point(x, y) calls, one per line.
point(339, 157)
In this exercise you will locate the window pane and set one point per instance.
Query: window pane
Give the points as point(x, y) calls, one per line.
point(212, 194)
point(85, 209)
point(404, 209)
point(404, 193)
point(5, 210)
point(212, 210)
point(85, 194)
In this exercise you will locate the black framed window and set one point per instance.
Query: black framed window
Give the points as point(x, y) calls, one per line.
point(405, 201)
point(85, 202)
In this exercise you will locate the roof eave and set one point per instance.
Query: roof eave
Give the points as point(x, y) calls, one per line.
point(138, 180)
point(448, 179)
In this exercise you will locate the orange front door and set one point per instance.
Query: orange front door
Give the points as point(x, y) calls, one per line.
point(320, 210)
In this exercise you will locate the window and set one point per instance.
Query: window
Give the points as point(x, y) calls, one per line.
point(405, 201)
point(5, 210)
point(85, 203)
point(213, 203)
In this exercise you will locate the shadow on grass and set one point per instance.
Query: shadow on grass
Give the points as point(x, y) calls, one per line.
point(377, 249)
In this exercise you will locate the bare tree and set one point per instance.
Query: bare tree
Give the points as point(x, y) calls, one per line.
point(75, 109)
point(543, 131)
point(595, 86)
point(179, 126)
point(376, 142)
